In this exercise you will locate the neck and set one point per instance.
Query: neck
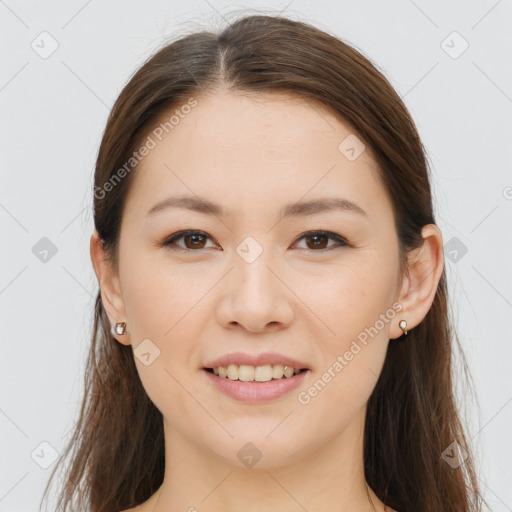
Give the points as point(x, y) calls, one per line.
point(327, 478)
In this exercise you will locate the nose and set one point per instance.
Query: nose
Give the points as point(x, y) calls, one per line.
point(255, 296)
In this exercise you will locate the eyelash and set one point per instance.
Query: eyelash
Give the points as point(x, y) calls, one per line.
point(181, 234)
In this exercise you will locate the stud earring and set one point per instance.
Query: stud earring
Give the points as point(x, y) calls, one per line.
point(403, 325)
point(119, 328)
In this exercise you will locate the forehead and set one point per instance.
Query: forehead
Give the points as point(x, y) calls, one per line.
point(256, 149)
point(256, 122)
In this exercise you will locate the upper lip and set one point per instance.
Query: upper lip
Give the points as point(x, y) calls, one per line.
point(256, 360)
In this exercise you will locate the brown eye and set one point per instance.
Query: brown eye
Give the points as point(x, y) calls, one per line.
point(318, 240)
point(193, 240)
point(196, 241)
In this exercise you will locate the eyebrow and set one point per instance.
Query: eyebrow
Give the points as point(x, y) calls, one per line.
point(298, 209)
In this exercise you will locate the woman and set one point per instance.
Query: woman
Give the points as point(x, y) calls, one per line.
point(271, 329)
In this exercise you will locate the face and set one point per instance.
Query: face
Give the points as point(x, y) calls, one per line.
point(318, 285)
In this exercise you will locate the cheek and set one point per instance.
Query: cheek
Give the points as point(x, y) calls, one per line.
point(354, 303)
point(163, 306)
point(351, 298)
point(159, 295)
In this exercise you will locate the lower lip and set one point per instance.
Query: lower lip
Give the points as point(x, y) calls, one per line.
point(254, 392)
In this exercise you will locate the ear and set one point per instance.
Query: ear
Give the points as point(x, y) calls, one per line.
point(110, 286)
point(418, 290)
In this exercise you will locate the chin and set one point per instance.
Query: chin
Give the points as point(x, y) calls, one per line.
point(262, 451)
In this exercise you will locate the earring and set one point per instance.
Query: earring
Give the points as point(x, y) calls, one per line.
point(119, 328)
point(403, 325)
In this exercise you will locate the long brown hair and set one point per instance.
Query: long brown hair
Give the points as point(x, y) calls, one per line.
point(117, 448)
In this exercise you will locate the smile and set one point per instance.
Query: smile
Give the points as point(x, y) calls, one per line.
point(255, 385)
point(261, 373)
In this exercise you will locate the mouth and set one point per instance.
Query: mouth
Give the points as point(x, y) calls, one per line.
point(256, 384)
point(256, 374)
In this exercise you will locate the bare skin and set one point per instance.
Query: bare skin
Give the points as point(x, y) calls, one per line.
point(253, 155)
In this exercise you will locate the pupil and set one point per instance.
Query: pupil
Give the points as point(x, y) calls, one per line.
point(195, 239)
point(316, 237)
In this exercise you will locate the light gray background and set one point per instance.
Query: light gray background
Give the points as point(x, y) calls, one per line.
point(53, 113)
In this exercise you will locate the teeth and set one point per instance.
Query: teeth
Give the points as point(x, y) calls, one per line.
point(277, 371)
point(248, 373)
point(289, 371)
point(245, 373)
